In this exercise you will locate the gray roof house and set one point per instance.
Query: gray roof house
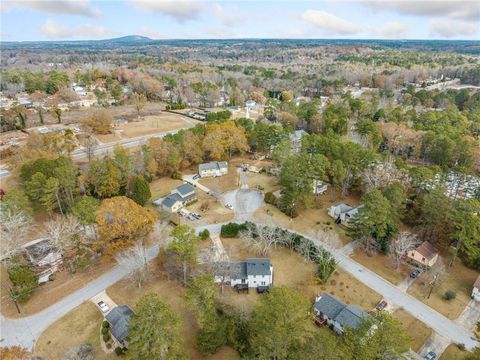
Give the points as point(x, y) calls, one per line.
point(118, 319)
point(178, 197)
point(214, 168)
point(337, 314)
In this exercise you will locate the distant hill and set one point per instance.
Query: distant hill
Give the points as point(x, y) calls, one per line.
point(130, 39)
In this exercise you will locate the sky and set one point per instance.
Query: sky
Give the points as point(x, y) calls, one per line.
point(23, 20)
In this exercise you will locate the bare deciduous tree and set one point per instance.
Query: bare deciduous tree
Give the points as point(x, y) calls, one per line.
point(402, 244)
point(382, 175)
point(13, 227)
point(262, 238)
point(62, 231)
point(134, 261)
point(221, 269)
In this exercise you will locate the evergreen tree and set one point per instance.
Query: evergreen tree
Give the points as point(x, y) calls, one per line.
point(139, 190)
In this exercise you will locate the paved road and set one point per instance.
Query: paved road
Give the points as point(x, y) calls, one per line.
point(24, 331)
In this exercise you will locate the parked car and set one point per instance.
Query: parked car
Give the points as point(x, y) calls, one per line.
point(229, 206)
point(103, 306)
point(196, 177)
point(381, 305)
point(415, 273)
point(430, 356)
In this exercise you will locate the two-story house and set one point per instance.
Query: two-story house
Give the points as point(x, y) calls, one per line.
point(251, 273)
point(178, 198)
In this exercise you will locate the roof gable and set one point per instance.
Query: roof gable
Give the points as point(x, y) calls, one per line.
point(427, 250)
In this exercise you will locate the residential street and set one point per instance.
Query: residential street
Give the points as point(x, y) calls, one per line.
point(24, 331)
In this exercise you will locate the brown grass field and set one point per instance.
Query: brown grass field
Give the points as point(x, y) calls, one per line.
point(459, 279)
point(418, 331)
point(80, 326)
point(452, 352)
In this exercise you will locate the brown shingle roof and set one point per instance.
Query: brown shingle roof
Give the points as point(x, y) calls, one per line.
point(427, 250)
point(477, 283)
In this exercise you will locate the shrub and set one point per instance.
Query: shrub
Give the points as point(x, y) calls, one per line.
point(104, 330)
point(231, 230)
point(106, 337)
point(450, 295)
point(204, 234)
point(175, 106)
point(119, 351)
point(461, 347)
point(108, 345)
point(105, 324)
point(270, 198)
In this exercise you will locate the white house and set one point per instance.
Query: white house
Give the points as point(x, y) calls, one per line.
point(343, 213)
point(80, 90)
point(213, 168)
point(43, 258)
point(251, 273)
point(338, 315)
point(476, 290)
point(179, 197)
point(319, 187)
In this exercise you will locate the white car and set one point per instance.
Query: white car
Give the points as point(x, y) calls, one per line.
point(103, 306)
point(229, 206)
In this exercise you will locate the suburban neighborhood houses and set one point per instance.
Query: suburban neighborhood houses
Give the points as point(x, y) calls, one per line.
point(306, 186)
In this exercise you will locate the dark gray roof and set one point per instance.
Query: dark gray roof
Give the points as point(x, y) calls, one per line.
point(258, 267)
point(118, 319)
point(346, 315)
point(185, 189)
point(329, 305)
point(351, 316)
point(208, 166)
point(171, 199)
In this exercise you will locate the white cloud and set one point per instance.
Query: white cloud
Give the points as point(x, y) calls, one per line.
point(53, 30)
point(89, 31)
point(329, 23)
point(152, 34)
point(392, 30)
point(449, 29)
point(63, 7)
point(453, 9)
point(230, 17)
point(179, 10)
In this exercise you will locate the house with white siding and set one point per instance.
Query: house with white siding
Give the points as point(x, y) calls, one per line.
point(251, 273)
point(213, 169)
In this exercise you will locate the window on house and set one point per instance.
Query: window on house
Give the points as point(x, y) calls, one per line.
point(263, 282)
point(423, 259)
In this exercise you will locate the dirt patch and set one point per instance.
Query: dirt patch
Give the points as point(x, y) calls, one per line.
point(213, 211)
point(382, 265)
point(108, 138)
point(152, 124)
point(223, 183)
point(162, 187)
point(80, 326)
point(459, 279)
point(262, 182)
point(414, 327)
point(49, 293)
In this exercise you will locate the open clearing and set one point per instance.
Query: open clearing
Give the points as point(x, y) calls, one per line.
point(152, 124)
point(223, 183)
point(80, 326)
point(418, 331)
point(382, 265)
point(459, 279)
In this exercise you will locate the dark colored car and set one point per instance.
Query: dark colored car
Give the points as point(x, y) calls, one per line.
point(381, 305)
point(414, 274)
point(430, 356)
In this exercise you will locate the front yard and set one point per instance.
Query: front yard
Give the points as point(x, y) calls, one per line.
point(80, 326)
point(459, 279)
point(452, 352)
point(417, 330)
point(382, 265)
